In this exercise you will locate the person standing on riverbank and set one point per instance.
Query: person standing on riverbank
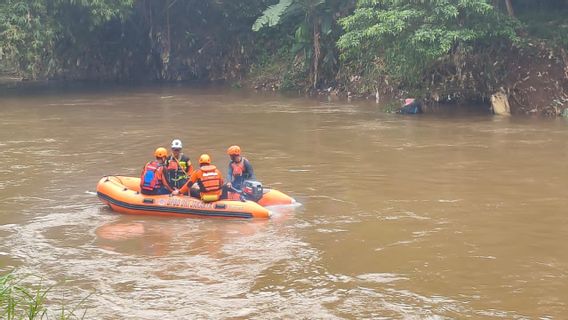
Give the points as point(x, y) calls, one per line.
point(153, 180)
point(240, 169)
point(178, 166)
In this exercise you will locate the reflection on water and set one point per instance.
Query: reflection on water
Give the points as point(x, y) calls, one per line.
point(150, 237)
point(448, 215)
point(133, 237)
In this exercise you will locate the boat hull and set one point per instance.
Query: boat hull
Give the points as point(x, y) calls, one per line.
point(270, 197)
point(122, 194)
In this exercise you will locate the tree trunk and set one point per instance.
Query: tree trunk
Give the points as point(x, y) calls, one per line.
point(165, 44)
point(317, 53)
point(510, 10)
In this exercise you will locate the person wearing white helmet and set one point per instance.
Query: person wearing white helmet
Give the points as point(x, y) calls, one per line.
point(178, 166)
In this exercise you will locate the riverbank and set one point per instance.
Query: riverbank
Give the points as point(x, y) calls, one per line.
point(512, 57)
point(527, 78)
point(533, 78)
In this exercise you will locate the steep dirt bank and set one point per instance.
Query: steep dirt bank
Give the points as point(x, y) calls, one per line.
point(532, 78)
point(538, 81)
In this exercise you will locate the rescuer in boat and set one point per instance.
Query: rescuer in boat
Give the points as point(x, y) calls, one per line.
point(240, 169)
point(208, 178)
point(153, 181)
point(178, 166)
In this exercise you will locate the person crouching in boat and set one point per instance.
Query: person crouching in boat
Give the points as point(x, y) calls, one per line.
point(240, 169)
point(208, 178)
point(178, 166)
point(153, 180)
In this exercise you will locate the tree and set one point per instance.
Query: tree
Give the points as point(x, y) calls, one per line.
point(410, 35)
point(26, 35)
point(38, 36)
point(313, 24)
point(510, 10)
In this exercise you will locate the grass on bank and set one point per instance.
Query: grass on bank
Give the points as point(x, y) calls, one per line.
point(22, 301)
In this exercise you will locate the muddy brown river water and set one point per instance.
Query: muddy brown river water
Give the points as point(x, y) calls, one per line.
point(437, 216)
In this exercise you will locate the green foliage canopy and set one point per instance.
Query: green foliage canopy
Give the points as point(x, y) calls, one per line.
point(271, 16)
point(26, 34)
point(31, 29)
point(409, 35)
point(315, 31)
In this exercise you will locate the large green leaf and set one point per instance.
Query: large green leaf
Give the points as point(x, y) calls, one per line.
point(272, 15)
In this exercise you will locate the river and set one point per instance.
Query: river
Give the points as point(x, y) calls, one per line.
point(447, 215)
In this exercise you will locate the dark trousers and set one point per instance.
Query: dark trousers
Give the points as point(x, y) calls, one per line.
point(159, 191)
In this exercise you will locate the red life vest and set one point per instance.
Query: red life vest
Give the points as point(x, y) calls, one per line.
point(150, 179)
point(238, 168)
point(210, 179)
point(180, 164)
point(172, 164)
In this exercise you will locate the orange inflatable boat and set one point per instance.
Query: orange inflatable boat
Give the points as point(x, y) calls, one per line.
point(123, 195)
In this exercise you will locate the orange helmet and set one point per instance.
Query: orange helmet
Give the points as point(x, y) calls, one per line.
point(161, 153)
point(234, 151)
point(204, 159)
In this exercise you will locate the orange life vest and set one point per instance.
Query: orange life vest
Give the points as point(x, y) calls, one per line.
point(209, 180)
point(151, 176)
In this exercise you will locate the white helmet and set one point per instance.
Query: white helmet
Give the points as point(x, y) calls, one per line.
point(176, 144)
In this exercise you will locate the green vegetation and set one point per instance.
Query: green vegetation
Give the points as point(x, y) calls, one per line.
point(27, 35)
point(547, 25)
point(410, 36)
point(124, 39)
point(312, 23)
point(39, 37)
point(19, 301)
point(362, 46)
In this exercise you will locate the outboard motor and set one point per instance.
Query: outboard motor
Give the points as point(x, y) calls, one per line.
point(252, 190)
